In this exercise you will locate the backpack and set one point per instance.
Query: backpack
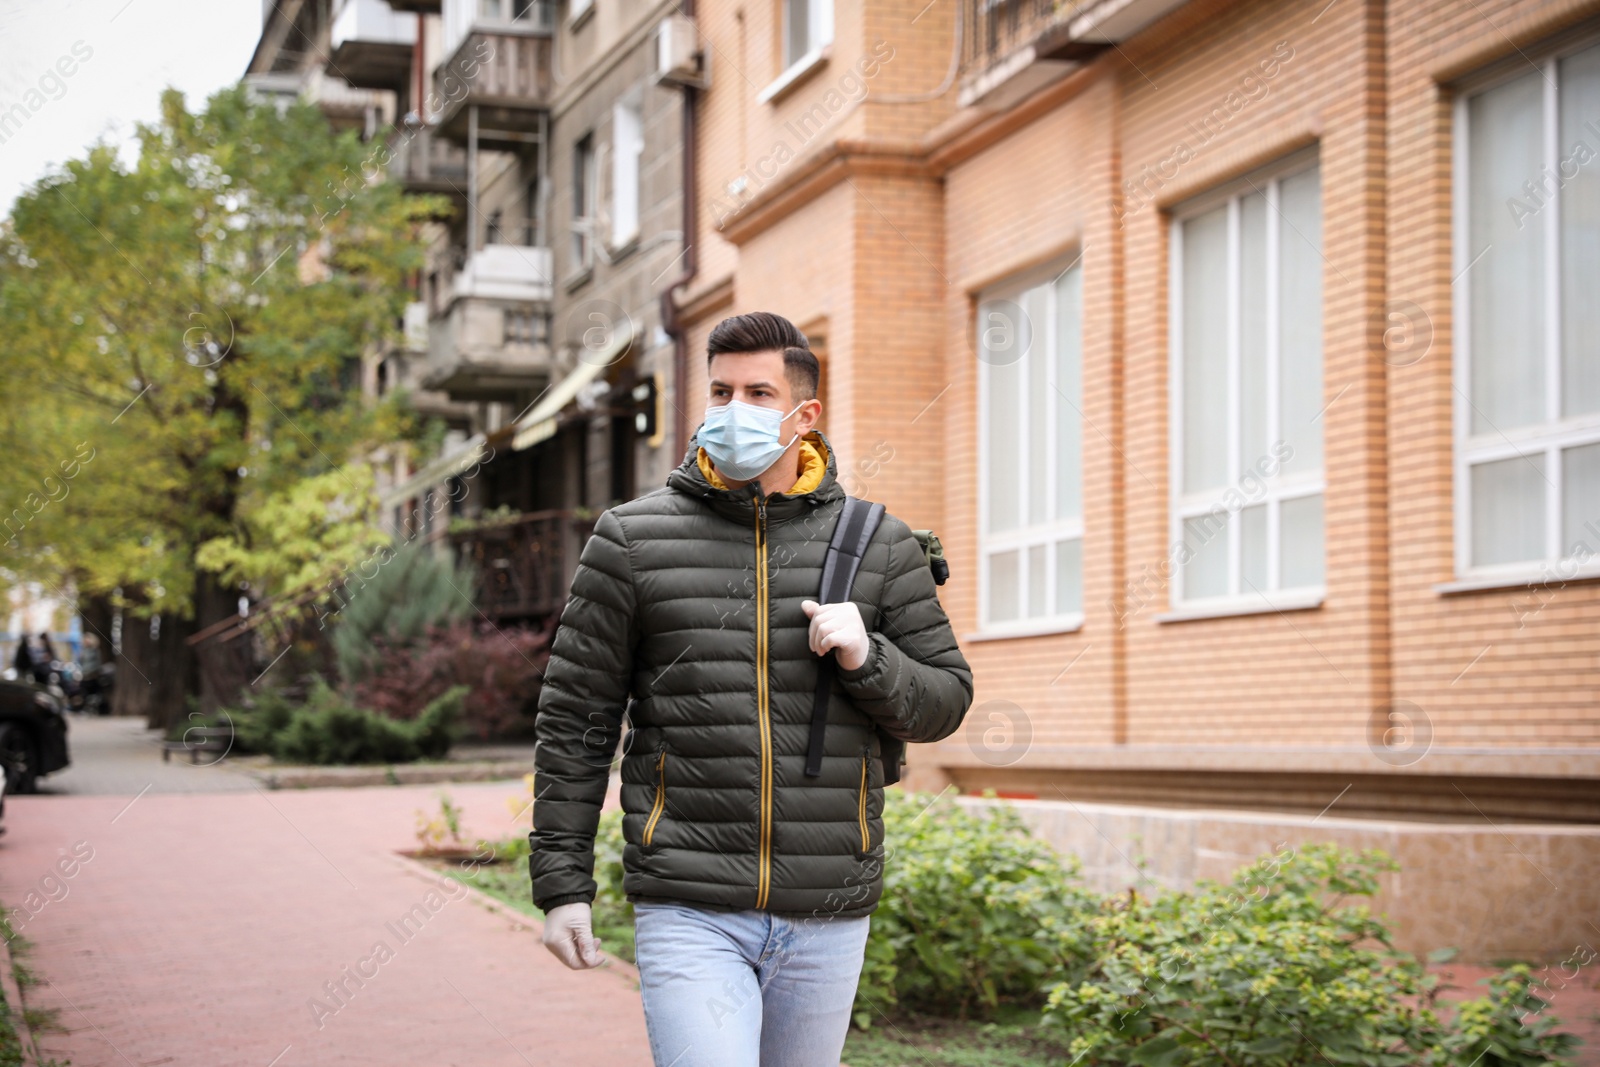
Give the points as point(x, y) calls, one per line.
point(858, 521)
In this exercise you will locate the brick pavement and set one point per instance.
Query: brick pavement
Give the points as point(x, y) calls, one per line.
point(202, 927)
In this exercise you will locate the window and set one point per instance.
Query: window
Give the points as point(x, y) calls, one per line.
point(524, 326)
point(1031, 452)
point(1246, 321)
point(807, 29)
point(627, 145)
point(1527, 396)
point(584, 195)
point(531, 13)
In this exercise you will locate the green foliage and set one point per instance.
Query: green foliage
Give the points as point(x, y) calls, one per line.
point(317, 533)
point(330, 731)
point(187, 329)
point(327, 729)
point(1274, 969)
point(970, 903)
point(410, 592)
point(612, 913)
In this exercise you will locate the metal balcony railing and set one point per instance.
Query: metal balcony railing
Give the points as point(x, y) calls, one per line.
point(423, 162)
point(524, 565)
point(997, 28)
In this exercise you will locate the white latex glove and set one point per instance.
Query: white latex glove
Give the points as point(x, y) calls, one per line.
point(839, 627)
point(569, 933)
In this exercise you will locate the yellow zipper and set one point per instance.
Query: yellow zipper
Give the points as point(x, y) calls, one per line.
point(866, 838)
point(661, 796)
point(763, 714)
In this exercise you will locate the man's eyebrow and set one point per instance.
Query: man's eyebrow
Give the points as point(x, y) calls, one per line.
point(716, 382)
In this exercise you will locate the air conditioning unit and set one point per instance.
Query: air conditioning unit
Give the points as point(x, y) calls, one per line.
point(679, 59)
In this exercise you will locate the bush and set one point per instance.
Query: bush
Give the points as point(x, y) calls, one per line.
point(328, 730)
point(970, 901)
point(1275, 969)
point(411, 593)
point(501, 667)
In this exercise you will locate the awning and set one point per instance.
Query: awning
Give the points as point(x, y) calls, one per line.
point(541, 420)
point(470, 453)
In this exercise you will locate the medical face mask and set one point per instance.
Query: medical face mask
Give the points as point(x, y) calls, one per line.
point(742, 439)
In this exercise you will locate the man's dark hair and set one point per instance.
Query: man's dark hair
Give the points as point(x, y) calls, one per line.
point(762, 331)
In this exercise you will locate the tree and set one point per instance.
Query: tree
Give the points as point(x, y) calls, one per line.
point(187, 332)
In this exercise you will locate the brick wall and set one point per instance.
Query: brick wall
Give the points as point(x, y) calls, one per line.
point(891, 236)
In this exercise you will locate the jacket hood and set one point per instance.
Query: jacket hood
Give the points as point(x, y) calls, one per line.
point(739, 503)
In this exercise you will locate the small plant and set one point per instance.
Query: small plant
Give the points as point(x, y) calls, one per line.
point(434, 830)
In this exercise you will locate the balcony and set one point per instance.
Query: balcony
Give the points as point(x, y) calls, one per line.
point(371, 44)
point(492, 339)
point(1014, 47)
point(501, 70)
point(346, 106)
point(405, 366)
point(422, 162)
point(525, 564)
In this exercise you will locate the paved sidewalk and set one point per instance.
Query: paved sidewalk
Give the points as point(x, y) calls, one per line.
point(204, 929)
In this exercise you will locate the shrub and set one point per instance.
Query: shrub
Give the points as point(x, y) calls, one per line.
point(1275, 968)
point(969, 908)
point(329, 731)
point(412, 592)
point(501, 668)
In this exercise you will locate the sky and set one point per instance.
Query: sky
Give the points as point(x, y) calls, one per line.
point(121, 54)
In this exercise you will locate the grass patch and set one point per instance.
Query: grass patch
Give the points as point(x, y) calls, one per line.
point(508, 883)
point(1012, 1039)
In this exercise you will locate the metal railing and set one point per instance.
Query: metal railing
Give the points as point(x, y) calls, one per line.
point(524, 565)
point(996, 28)
point(420, 160)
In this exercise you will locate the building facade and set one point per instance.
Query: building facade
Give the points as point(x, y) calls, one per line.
point(535, 338)
point(1243, 356)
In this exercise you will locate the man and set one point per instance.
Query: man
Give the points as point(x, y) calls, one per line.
point(751, 882)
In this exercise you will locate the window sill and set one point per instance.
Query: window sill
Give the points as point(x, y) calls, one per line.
point(1289, 600)
point(1069, 624)
point(1530, 578)
point(616, 253)
point(798, 71)
point(578, 18)
point(578, 279)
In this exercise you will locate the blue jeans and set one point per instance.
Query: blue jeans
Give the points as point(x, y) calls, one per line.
point(746, 988)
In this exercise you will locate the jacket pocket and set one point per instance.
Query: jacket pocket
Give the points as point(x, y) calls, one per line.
point(660, 804)
point(861, 802)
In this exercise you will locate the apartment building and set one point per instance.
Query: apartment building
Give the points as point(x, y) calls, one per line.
point(1244, 356)
point(536, 335)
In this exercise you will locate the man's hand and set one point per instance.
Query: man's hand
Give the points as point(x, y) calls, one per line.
point(568, 932)
point(838, 626)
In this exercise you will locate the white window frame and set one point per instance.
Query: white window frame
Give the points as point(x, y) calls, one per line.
point(627, 152)
point(1052, 530)
point(1280, 488)
point(1556, 433)
point(819, 39)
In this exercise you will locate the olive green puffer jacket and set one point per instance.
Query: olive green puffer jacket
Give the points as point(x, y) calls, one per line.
point(688, 600)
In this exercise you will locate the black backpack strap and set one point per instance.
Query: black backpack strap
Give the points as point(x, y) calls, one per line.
point(858, 521)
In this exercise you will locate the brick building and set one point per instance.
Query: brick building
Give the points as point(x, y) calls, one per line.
point(1245, 355)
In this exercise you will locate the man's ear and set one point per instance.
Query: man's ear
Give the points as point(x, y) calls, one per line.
point(813, 409)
